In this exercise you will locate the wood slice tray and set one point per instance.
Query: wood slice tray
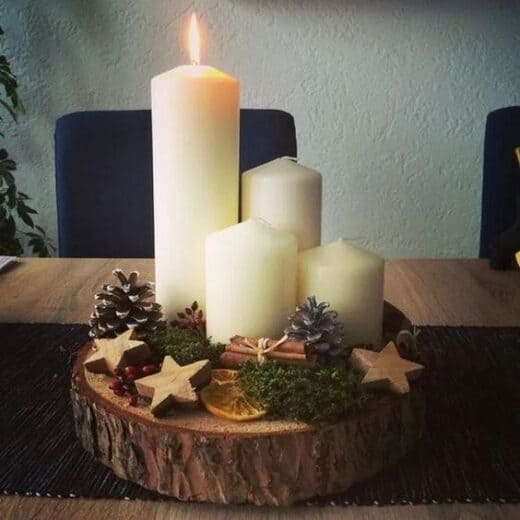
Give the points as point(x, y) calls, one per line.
point(195, 456)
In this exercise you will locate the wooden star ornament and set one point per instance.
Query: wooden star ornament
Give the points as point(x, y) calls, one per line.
point(385, 369)
point(120, 351)
point(174, 384)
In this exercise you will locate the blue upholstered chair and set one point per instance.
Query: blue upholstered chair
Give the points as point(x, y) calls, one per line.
point(501, 184)
point(104, 176)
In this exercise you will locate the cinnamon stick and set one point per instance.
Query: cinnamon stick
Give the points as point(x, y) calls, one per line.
point(289, 346)
point(289, 352)
point(231, 359)
point(274, 354)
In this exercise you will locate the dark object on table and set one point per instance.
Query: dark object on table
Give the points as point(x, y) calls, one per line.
point(505, 247)
point(501, 188)
point(469, 451)
point(207, 454)
point(104, 179)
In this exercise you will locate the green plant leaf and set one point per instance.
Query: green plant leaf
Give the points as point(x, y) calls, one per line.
point(10, 109)
point(39, 244)
point(26, 209)
point(8, 164)
point(10, 198)
point(313, 395)
point(8, 227)
point(184, 345)
point(8, 176)
point(26, 218)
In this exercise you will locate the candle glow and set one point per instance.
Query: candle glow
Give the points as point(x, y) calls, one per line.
point(195, 115)
point(194, 40)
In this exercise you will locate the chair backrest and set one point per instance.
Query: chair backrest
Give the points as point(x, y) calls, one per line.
point(104, 176)
point(501, 179)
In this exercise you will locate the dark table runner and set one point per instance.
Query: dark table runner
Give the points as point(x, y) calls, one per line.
point(470, 451)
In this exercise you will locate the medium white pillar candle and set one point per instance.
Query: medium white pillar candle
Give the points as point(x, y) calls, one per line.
point(288, 196)
point(250, 281)
point(351, 279)
point(195, 117)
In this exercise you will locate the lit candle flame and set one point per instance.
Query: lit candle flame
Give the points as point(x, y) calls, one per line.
point(194, 40)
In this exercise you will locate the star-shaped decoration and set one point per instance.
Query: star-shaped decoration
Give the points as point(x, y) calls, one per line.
point(174, 384)
point(385, 369)
point(120, 351)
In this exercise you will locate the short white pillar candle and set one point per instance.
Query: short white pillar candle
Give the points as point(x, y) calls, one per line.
point(288, 196)
point(250, 281)
point(351, 279)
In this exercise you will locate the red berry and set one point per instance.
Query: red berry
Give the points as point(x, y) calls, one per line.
point(149, 369)
point(132, 400)
point(119, 391)
point(118, 371)
point(129, 371)
point(114, 384)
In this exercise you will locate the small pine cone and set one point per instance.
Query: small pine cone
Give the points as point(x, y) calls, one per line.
point(319, 328)
point(119, 308)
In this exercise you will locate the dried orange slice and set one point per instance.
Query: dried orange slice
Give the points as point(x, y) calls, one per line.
point(224, 375)
point(224, 398)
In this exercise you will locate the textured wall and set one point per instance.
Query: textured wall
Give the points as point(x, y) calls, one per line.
point(389, 96)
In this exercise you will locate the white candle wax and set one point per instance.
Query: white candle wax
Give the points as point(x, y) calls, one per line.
point(351, 279)
point(250, 281)
point(288, 196)
point(195, 114)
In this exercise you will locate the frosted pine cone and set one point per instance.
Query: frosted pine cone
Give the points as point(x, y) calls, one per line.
point(119, 308)
point(319, 328)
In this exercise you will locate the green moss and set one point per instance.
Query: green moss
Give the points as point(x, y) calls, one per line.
point(313, 395)
point(184, 345)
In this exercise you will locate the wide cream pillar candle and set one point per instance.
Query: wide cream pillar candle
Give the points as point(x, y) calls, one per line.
point(195, 127)
point(288, 196)
point(351, 279)
point(250, 281)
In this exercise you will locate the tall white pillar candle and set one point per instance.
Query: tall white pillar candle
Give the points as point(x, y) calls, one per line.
point(195, 118)
point(351, 279)
point(288, 196)
point(250, 281)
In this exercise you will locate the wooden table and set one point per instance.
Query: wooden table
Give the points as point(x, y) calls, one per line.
point(429, 292)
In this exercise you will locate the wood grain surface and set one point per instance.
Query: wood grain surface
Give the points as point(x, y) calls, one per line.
point(330, 459)
point(429, 292)
point(26, 508)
